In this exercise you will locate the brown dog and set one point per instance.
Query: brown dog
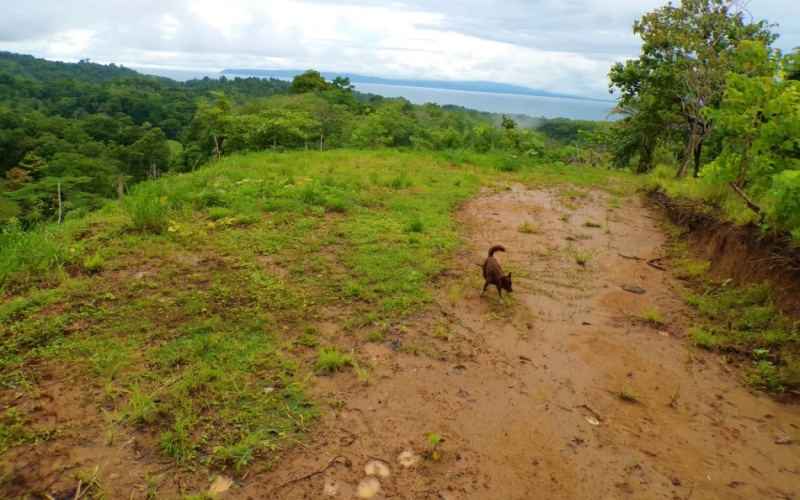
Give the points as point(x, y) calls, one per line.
point(493, 274)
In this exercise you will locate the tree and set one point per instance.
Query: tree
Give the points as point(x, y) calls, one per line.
point(342, 83)
point(686, 53)
point(208, 126)
point(759, 124)
point(310, 81)
point(28, 170)
point(149, 155)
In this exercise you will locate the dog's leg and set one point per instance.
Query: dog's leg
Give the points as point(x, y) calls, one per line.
point(485, 286)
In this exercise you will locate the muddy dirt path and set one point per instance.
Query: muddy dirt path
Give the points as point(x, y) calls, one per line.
point(527, 390)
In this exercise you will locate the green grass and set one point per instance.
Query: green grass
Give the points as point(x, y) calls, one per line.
point(528, 228)
point(331, 359)
point(744, 321)
point(581, 256)
point(653, 316)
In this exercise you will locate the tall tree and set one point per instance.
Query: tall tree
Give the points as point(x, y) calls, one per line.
point(310, 81)
point(686, 53)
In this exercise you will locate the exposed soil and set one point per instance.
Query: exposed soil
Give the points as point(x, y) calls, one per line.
point(743, 253)
point(520, 384)
point(527, 391)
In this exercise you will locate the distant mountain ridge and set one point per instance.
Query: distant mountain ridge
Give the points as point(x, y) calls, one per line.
point(471, 86)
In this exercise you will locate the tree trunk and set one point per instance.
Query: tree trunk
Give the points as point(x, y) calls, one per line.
point(697, 153)
point(59, 203)
point(217, 149)
point(690, 147)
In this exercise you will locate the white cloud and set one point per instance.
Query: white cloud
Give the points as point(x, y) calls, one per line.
point(557, 45)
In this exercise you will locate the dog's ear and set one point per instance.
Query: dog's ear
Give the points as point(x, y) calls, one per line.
point(509, 275)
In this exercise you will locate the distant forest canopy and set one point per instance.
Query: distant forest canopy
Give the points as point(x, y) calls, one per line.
point(72, 133)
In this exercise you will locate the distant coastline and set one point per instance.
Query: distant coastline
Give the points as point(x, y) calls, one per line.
point(470, 86)
point(548, 105)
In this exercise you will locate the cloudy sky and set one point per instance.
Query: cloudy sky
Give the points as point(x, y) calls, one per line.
point(563, 46)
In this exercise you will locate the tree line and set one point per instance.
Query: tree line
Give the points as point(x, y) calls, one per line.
point(73, 134)
point(710, 96)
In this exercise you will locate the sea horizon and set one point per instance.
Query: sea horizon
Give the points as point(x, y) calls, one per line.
point(491, 102)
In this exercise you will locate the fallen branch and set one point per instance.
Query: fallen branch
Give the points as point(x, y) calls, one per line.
point(632, 258)
point(347, 462)
point(752, 206)
point(654, 263)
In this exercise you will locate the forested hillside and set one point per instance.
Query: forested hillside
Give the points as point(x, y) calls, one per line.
point(73, 135)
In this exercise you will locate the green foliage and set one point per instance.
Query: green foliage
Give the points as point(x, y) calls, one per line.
point(39, 249)
point(331, 359)
point(680, 75)
point(147, 210)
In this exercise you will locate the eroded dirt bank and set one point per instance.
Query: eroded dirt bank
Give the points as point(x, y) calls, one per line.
point(528, 391)
point(742, 253)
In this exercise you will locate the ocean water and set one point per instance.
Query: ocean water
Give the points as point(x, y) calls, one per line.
point(533, 106)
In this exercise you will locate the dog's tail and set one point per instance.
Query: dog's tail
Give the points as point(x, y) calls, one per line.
point(496, 248)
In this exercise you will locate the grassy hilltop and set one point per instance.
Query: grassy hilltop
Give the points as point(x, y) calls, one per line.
point(198, 308)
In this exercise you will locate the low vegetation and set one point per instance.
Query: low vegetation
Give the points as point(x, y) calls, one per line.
point(744, 322)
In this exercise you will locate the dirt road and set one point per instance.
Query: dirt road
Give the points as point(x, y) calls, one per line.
point(562, 390)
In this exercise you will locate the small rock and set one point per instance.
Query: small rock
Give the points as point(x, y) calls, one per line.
point(377, 468)
point(220, 485)
point(368, 487)
point(408, 459)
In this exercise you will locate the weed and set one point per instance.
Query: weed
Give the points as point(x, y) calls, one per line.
point(455, 294)
point(364, 375)
point(90, 484)
point(175, 442)
point(375, 336)
point(415, 225)
point(581, 256)
point(151, 485)
point(565, 218)
point(147, 213)
point(653, 317)
point(589, 223)
point(528, 228)
point(14, 432)
point(309, 337)
point(765, 375)
point(434, 440)
point(93, 264)
point(39, 249)
point(574, 193)
point(142, 406)
point(331, 359)
point(628, 395)
point(416, 347)
point(443, 331)
point(673, 401)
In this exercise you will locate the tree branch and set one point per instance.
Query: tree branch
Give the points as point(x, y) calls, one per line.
point(752, 206)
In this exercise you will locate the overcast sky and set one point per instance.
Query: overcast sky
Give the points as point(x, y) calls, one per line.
point(563, 46)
